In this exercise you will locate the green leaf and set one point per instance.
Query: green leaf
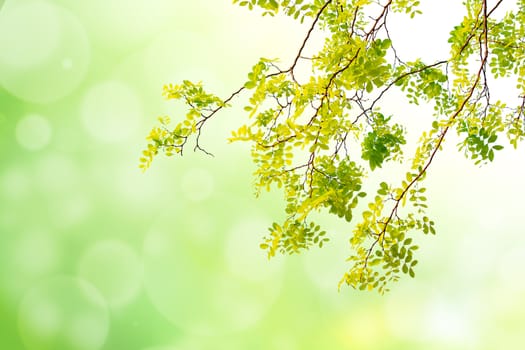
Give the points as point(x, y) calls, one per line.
point(315, 124)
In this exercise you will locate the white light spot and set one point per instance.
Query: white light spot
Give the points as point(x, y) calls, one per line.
point(111, 111)
point(33, 132)
point(35, 37)
point(114, 268)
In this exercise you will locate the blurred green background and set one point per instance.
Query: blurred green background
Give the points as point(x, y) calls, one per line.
point(96, 255)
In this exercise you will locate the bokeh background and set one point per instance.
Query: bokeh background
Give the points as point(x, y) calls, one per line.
point(95, 255)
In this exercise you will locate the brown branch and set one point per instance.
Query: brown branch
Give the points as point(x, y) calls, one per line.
point(324, 97)
point(383, 15)
point(394, 82)
point(205, 118)
point(312, 27)
point(440, 140)
point(278, 142)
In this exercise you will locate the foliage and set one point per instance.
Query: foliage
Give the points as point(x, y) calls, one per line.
point(317, 137)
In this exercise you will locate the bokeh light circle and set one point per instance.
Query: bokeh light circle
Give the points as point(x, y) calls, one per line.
point(114, 269)
point(29, 34)
point(63, 313)
point(33, 132)
point(111, 111)
point(190, 283)
point(44, 51)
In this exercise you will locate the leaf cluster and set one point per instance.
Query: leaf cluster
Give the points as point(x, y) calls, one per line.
point(317, 136)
